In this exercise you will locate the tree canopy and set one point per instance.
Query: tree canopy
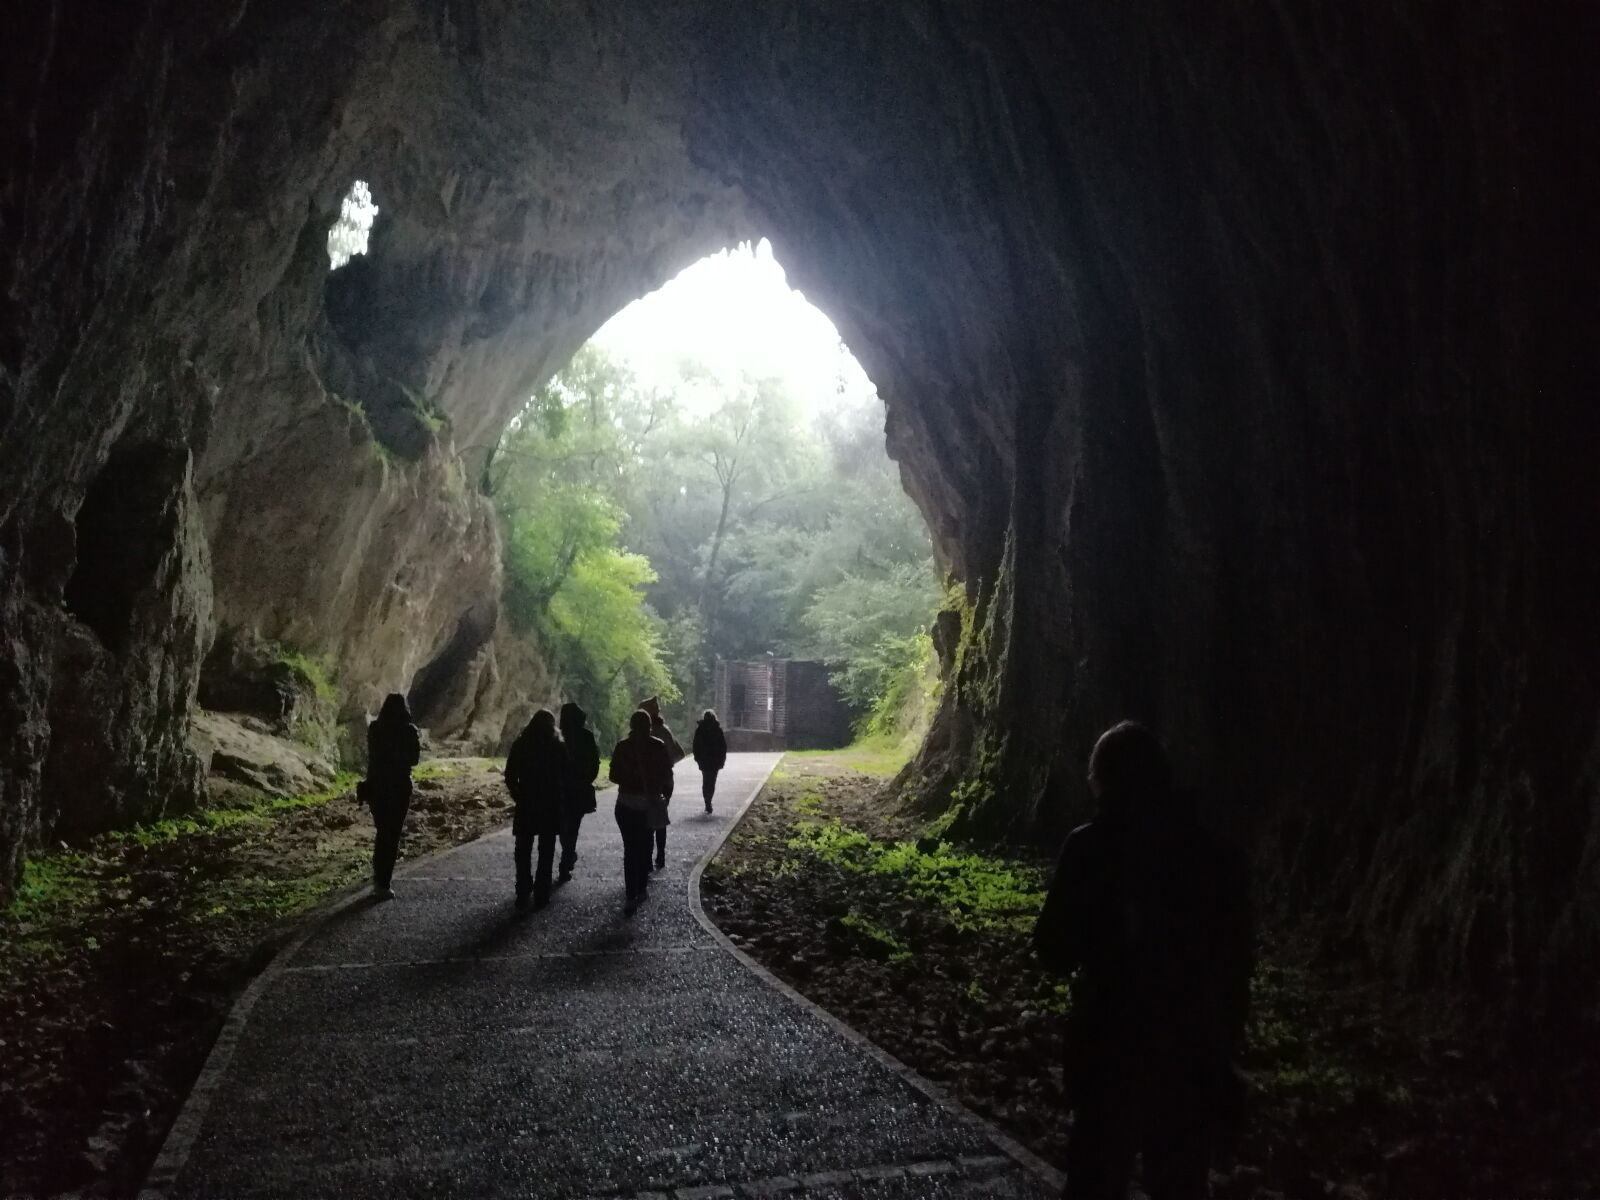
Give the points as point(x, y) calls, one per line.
point(650, 531)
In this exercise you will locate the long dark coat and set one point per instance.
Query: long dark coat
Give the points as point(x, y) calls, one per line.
point(710, 746)
point(536, 776)
point(393, 748)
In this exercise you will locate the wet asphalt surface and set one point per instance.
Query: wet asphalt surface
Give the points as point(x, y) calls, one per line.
point(443, 1044)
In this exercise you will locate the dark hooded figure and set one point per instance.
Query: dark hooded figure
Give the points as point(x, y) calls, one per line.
point(393, 748)
point(641, 767)
point(659, 818)
point(1154, 913)
point(536, 776)
point(583, 764)
point(710, 753)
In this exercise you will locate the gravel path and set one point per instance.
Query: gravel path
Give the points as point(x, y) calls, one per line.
point(445, 1045)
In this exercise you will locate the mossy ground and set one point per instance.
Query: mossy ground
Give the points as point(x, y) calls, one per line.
point(1358, 1089)
point(118, 960)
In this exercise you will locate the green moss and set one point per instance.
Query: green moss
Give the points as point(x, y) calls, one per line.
point(53, 884)
point(977, 787)
point(941, 824)
point(316, 671)
point(955, 601)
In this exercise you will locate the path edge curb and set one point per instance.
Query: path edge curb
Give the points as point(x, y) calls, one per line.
point(186, 1126)
point(1002, 1141)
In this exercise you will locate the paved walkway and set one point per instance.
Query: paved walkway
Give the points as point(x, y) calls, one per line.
point(445, 1045)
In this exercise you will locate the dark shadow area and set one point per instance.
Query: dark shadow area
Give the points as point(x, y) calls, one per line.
point(123, 527)
point(444, 681)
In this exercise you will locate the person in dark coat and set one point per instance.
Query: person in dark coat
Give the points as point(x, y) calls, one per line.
point(1154, 914)
point(536, 776)
point(641, 767)
point(583, 764)
point(659, 819)
point(393, 748)
point(710, 748)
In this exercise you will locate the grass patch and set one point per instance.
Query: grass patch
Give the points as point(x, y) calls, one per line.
point(880, 757)
point(438, 768)
point(976, 891)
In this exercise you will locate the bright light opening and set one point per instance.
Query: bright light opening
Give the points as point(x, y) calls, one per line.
point(349, 233)
point(704, 491)
point(735, 315)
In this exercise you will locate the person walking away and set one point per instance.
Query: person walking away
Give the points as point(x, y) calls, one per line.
point(393, 748)
point(1155, 915)
point(659, 818)
point(710, 748)
point(536, 776)
point(583, 764)
point(641, 768)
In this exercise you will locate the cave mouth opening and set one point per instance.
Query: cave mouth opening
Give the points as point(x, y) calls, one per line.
point(716, 452)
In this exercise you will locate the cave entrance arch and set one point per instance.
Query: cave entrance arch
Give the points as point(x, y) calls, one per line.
point(1218, 362)
point(724, 429)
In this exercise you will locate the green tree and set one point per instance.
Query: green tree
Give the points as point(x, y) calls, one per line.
point(560, 481)
point(651, 532)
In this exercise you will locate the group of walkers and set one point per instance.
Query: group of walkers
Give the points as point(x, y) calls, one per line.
point(1150, 910)
point(551, 772)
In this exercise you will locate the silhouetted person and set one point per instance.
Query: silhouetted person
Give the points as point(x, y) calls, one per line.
point(536, 775)
point(710, 753)
point(640, 767)
point(393, 748)
point(583, 764)
point(1154, 914)
point(659, 817)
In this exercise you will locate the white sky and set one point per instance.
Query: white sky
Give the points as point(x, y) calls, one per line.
point(735, 311)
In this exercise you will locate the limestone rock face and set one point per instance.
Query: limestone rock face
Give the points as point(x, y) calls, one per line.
point(248, 751)
point(1232, 357)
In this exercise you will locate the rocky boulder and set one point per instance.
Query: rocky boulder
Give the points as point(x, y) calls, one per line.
point(247, 750)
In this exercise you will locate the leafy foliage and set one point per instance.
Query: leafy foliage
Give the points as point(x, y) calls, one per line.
point(649, 533)
point(976, 891)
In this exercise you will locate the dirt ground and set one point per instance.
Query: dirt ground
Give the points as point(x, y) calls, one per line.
point(118, 962)
point(1357, 1090)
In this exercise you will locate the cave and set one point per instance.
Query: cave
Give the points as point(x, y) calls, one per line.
point(1236, 359)
point(120, 529)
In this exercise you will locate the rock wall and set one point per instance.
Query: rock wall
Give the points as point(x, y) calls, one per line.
point(1234, 356)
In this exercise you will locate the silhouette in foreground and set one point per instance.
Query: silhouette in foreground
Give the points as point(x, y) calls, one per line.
point(659, 820)
point(641, 767)
point(583, 765)
point(710, 753)
point(536, 776)
point(393, 748)
point(1154, 913)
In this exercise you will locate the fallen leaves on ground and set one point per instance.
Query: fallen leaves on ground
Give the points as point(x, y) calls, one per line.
point(1360, 1088)
point(119, 961)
